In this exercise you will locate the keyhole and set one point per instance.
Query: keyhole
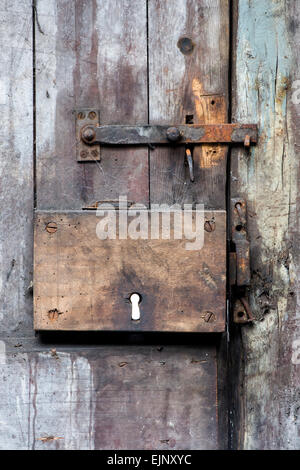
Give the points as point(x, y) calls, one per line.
point(135, 299)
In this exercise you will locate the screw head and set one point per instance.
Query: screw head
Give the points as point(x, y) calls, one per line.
point(51, 227)
point(94, 153)
point(209, 226)
point(88, 134)
point(209, 317)
point(83, 154)
point(173, 134)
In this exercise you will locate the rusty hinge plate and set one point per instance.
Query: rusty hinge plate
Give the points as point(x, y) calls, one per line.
point(86, 117)
point(240, 259)
point(239, 262)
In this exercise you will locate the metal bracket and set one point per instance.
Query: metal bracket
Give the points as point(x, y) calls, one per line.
point(86, 117)
point(242, 245)
point(239, 262)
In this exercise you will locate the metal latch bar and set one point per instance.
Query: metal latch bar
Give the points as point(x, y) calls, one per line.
point(165, 134)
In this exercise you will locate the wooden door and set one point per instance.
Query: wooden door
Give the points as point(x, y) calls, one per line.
point(137, 61)
point(99, 391)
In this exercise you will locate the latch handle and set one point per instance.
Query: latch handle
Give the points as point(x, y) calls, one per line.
point(190, 162)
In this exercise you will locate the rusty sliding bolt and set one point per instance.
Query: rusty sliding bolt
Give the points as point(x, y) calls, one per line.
point(193, 134)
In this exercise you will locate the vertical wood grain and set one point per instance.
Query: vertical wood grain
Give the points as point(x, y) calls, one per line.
point(107, 397)
point(188, 79)
point(16, 167)
point(94, 53)
point(46, 401)
point(89, 54)
point(267, 359)
point(188, 76)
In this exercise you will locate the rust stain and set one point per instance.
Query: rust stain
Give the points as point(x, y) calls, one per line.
point(53, 314)
point(54, 353)
point(49, 439)
point(197, 88)
point(243, 264)
point(169, 442)
point(207, 278)
point(194, 361)
point(210, 109)
point(282, 90)
point(211, 156)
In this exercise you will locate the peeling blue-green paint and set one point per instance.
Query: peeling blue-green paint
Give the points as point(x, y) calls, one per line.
point(263, 60)
point(267, 62)
point(262, 69)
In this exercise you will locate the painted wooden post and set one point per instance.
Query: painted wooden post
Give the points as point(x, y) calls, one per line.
point(266, 44)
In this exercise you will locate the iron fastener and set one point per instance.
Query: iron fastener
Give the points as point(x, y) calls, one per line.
point(209, 317)
point(209, 226)
point(173, 134)
point(88, 134)
point(51, 227)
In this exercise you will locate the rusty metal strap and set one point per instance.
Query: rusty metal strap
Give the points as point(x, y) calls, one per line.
point(159, 135)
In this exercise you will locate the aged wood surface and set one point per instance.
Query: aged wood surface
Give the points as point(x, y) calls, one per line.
point(60, 393)
point(16, 167)
point(89, 54)
point(95, 53)
point(84, 283)
point(266, 355)
point(188, 81)
point(107, 397)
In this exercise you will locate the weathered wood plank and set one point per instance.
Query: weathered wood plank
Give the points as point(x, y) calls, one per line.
point(266, 64)
point(96, 53)
point(108, 398)
point(89, 54)
point(16, 167)
point(188, 82)
point(84, 283)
